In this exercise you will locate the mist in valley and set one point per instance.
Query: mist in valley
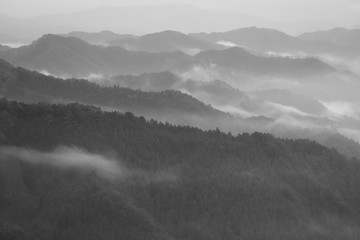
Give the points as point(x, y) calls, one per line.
point(180, 120)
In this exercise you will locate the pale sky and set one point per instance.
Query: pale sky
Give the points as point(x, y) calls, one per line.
point(338, 11)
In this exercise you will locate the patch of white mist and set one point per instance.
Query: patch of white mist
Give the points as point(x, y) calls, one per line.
point(227, 44)
point(353, 134)
point(75, 158)
point(14, 45)
point(352, 65)
point(236, 111)
point(201, 73)
point(191, 51)
point(66, 157)
point(282, 109)
point(341, 109)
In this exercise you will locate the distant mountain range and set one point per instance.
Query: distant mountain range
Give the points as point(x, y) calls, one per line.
point(254, 38)
point(143, 133)
point(141, 20)
point(240, 60)
point(221, 94)
point(102, 38)
point(127, 20)
point(274, 41)
point(166, 41)
point(72, 57)
point(168, 105)
point(288, 115)
point(338, 36)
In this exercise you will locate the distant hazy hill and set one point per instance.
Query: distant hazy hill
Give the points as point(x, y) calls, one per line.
point(286, 98)
point(253, 37)
point(339, 36)
point(269, 40)
point(69, 56)
point(168, 105)
point(102, 37)
point(129, 19)
point(72, 57)
point(219, 93)
point(167, 41)
point(289, 113)
point(238, 59)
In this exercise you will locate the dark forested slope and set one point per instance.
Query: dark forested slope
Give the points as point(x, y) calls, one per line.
point(173, 106)
point(180, 182)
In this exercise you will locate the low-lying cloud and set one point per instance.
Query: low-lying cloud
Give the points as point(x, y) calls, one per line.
point(66, 157)
point(75, 158)
point(227, 44)
point(13, 45)
point(341, 109)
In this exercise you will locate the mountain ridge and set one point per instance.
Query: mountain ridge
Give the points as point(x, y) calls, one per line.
point(165, 41)
point(339, 36)
point(270, 40)
point(71, 57)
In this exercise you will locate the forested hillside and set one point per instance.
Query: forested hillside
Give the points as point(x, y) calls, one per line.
point(173, 106)
point(172, 182)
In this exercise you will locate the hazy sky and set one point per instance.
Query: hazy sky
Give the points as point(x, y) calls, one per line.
point(338, 11)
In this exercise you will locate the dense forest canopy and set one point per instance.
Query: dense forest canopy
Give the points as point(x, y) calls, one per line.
point(181, 182)
point(173, 122)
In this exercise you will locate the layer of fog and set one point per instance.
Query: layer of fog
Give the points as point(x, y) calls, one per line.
point(337, 86)
point(98, 78)
point(337, 92)
point(227, 44)
point(75, 158)
point(342, 108)
point(13, 45)
point(66, 157)
point(341, 63)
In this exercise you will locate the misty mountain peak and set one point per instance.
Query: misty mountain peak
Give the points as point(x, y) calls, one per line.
point(167, 34)
point(49, 39)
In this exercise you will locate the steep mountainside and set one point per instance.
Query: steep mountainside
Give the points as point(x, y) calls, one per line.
point(166, 182)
